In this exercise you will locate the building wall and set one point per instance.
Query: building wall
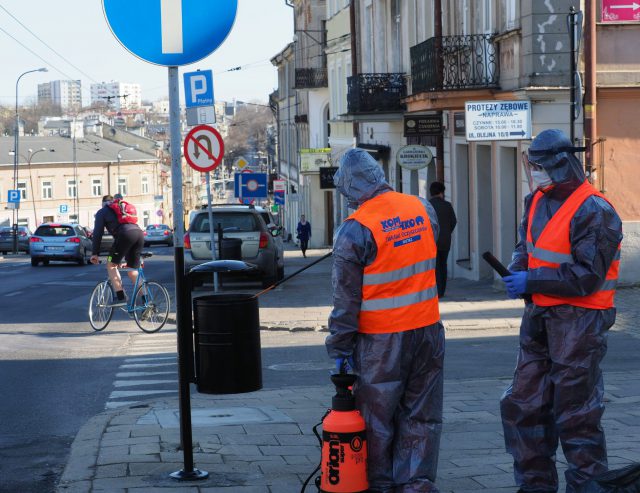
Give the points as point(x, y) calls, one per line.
point(89, 198)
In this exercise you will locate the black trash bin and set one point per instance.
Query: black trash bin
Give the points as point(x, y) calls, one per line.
point(227, 343)
point(231, 249)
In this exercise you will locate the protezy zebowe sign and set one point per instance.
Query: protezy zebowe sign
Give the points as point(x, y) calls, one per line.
point(170, 32)
point(498, 120)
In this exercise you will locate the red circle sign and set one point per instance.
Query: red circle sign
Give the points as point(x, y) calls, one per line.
point(203, 148)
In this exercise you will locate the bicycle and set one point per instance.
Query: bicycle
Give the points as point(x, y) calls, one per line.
point(149, 305)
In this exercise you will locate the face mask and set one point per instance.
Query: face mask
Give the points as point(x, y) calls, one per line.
point(541, 179)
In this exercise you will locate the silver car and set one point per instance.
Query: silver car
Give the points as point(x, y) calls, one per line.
point(260, 245)
point(158, 233)
point(6, 239)
point(60, 241)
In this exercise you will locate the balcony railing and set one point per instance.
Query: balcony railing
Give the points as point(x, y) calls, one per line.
point(455, 62)
point(310, 78)
point(372, 93)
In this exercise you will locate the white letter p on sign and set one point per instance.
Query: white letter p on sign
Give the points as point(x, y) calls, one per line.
point(198, 87)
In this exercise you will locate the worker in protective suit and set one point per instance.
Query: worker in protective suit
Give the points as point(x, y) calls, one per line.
point(566, 264)
point(386, 326)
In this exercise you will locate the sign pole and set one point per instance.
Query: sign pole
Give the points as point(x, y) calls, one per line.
point(211, 231)
point(183, 299)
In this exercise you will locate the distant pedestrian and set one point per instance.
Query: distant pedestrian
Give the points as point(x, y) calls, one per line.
point(447, 221)
point(304, 233)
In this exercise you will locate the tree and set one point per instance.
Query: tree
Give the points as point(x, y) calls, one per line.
point(248, 134)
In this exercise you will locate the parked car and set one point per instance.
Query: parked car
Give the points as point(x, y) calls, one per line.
point(158, 233)
point(260, 245)
point(6, 239)
point(60, 241)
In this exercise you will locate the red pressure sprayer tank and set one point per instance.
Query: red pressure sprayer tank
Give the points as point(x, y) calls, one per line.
point(344, 442)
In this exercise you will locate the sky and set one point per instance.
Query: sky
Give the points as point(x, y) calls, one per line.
point(78, 30)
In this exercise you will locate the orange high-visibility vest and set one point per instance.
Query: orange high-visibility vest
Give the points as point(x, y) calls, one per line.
point(553, 248)
point(399, 287)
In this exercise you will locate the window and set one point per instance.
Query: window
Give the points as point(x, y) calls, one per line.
point(72, 189)
point(47, 189)
point(123, 187)
point(96, 187)
point(511, 14)
point(145, 218)
point(22, 189)
point(73, 218)
point(145, 184)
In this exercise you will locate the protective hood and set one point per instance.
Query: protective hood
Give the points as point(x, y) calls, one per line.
point(553, 150)
point(359, 177)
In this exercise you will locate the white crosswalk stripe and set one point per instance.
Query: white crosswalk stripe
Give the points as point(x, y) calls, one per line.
point(149, 370)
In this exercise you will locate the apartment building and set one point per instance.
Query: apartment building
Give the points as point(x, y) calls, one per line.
point(117, 95)
point(67, 94)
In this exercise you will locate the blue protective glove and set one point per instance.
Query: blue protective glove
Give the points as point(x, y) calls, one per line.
point(516, 284)
point(344, 364)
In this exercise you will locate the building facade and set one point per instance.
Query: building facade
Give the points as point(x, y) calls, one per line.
point(67, 94)
point(60, 181)
point(117, 95)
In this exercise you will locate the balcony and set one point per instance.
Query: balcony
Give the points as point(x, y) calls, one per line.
point(311, 78)
point(454, 63)
point(376, 93)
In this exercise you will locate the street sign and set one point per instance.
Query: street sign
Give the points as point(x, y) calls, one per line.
point(498, 120)
point(278, 197)
point(200, 115)
point(13, 196)
point(198, 88)
point(279, 185)
point(63, 209)
point(251, 185)
point(240, 162)
point(620, 11)
point(203, 148)
point(170, 32)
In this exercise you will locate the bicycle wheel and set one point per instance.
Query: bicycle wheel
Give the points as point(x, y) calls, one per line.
point(151, 306)
point(100, 309)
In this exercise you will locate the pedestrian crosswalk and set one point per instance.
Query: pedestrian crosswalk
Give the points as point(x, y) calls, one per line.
point(149, 370)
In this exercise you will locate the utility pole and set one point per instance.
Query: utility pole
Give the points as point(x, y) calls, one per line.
point(590, 95)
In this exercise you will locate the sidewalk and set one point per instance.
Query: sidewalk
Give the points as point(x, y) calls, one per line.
point(262, 442)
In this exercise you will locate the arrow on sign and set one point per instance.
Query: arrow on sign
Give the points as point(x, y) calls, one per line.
point(208, 151)
point(634, 6)
point(521, 133)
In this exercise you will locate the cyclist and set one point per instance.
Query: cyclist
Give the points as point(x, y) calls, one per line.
point(128, 241)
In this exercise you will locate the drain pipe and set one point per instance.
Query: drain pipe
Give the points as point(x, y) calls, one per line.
point(590, 96)
point(437, 33)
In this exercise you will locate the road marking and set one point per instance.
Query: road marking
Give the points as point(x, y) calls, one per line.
point(134, 393)
point(130, 374)
point(15, 293)
point(135, 383)
point(155, 358)
point(147, 365)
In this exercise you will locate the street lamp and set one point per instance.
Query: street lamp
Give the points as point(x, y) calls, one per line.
point(16, 151)
point(130, 148)
point(33, 194)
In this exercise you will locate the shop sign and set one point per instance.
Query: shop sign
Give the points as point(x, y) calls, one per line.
point(326, 177)
point(311, 160)
point(415, 126)
point(414, 157)
point(620, 11)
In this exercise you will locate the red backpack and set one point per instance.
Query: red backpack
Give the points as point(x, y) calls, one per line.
point(125, 211)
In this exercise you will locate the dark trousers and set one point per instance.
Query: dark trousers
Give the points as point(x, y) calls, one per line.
point(303, 246)
point(441, 271)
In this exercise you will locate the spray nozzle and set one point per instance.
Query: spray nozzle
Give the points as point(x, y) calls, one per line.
point(343, 400)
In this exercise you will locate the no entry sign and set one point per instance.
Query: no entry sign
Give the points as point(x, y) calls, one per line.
point(203, 148)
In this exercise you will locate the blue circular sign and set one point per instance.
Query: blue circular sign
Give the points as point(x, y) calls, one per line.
point(170, 32)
